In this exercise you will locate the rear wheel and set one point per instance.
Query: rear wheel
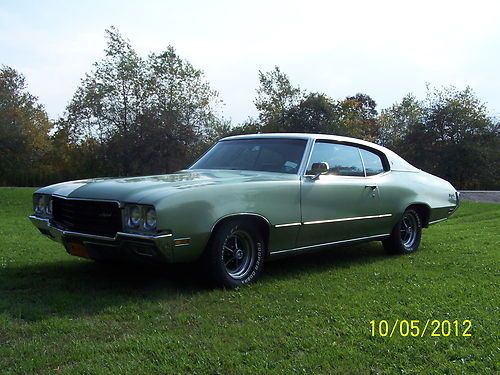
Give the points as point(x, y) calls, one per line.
point(406, 234)
point(236, 253)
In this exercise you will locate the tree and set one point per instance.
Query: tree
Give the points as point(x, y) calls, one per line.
point(108, 103)
point(396, 122)
point(64, 157)
point(462, 137)
point(354, 116)
point(448, 134)
point(275, 96)
point(24, 126)
point(316, 113)
point(134, 116)
point(358, 117)
point(181, 108)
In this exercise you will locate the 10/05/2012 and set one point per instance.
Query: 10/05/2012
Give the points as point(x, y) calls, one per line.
point(419, 328)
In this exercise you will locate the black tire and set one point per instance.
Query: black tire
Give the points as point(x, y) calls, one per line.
point(406, 234)
point(235, 256)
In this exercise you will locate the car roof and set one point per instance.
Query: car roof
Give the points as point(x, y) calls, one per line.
point(396, 161)
point(307, 136)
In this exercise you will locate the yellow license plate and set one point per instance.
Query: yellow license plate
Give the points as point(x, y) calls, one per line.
point(77, 249)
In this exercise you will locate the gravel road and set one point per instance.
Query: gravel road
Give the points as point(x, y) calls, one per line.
point(480, 196)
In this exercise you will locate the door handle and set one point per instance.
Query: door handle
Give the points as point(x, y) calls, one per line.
point(373, 187)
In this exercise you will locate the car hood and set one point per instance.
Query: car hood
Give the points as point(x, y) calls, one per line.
point(148, 189)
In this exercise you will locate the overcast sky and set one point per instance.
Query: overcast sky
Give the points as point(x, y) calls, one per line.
point(385, 49)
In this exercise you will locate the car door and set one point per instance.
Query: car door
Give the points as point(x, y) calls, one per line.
point(342, 204)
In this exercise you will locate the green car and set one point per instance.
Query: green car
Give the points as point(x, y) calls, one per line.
point(248, 199)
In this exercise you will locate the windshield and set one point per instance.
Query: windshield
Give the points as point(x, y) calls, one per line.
point(269, 155)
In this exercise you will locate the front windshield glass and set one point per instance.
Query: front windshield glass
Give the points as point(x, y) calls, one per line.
point(258, 154)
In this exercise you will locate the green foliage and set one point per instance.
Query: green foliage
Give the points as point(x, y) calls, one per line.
point(181, 111)
point(133, 116)
point(316, 113)
point(358, 116)
point(285, 108)
point(448, 134)
point(396, 122)
point(275, 96)
point(307, 314)
point(463, 138)
point(24, 128)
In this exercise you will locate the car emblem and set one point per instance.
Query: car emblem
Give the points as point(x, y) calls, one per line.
point(105, 214)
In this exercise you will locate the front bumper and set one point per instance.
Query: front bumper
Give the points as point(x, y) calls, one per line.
point(153, 246)
point(457, 194)
point(457, 203)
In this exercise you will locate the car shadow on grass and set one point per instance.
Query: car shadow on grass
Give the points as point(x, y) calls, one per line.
point(77, 287)
point(328, 259)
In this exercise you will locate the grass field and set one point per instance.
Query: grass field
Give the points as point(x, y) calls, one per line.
point(308, 314)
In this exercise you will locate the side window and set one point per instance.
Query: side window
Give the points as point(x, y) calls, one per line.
point(373, 162)
point(342, 160)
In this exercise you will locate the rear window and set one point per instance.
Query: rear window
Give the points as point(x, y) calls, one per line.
point(373, 162)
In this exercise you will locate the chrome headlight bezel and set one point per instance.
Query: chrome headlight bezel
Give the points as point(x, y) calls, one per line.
point(136, 218)
point(42, 205)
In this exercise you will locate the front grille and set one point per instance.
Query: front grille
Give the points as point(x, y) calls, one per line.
point(84, 216)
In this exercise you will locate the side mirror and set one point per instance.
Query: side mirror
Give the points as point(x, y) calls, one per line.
point(318, 169)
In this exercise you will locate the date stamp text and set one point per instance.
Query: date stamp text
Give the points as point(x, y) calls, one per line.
point(421, 328)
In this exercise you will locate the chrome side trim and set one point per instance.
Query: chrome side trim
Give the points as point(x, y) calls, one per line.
point(306, 157)
point(405, 170)
point(437, 221)
point(377, 236)
point(347, 219)
point(287, 225)
point(340, 176)
point(358, 146)
point(362, 161)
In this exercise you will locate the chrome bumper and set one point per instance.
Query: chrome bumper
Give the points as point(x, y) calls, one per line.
point(163, 243)
point(457, 199)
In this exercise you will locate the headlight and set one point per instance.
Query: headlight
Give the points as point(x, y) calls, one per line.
point(134, 217)
point(38, 204)
point(140, 218)
point(48, 208)
point(150, 222)
point(42, 205)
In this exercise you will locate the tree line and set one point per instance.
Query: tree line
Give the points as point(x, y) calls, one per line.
point(135, 116)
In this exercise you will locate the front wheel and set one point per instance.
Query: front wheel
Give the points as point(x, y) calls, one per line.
point(236, 253)
point(406, 235)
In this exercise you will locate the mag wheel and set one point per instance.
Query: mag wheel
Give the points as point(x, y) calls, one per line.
point(236, 253)
point(406, 234)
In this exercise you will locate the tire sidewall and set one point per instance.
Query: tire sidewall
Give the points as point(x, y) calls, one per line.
point(402, 248)
point(219, 271)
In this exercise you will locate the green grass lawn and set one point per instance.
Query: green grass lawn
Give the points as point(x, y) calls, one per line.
point(60, 314)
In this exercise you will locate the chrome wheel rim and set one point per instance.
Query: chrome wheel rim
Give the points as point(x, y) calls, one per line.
point(238, 254)
point(408, 230)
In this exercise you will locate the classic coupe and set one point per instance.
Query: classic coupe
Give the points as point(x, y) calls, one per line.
point(248, 199)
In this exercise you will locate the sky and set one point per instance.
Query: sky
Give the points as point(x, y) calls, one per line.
point(385, 49)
